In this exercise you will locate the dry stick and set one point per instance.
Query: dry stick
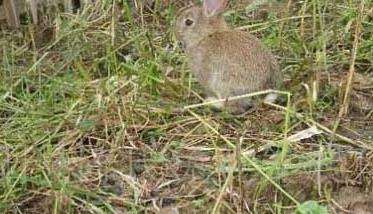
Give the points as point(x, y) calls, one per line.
point(225, 186)
point(282, 24)
point(235, 98)
point(302, 23)
point(113, 24)
point(11, 13)
point(325, 129)
point(344, 108)
point(34, 11)
point(238, 153)
point(252, 163)
point(246, 27)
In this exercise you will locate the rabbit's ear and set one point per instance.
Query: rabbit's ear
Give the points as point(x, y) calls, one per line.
point(214, 7)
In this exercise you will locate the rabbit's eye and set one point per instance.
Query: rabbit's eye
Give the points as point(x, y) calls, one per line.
point(189, 22)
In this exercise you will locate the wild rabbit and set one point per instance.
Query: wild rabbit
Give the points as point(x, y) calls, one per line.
point(226, 62)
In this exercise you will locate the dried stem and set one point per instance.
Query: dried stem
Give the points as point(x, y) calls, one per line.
point(344, 107)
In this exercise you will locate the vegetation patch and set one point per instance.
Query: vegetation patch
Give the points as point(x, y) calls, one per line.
point(97, 115)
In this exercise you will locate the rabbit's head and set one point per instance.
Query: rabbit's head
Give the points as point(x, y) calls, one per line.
point(195, 22)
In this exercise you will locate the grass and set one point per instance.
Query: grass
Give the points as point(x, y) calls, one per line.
point(98, 114)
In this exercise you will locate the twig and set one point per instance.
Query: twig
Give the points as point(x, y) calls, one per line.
point(235, 98)
point(344, 108)
point(229, 178)
point(325, 129)
point(246, 27)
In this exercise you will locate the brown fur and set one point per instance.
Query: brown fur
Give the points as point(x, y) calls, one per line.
point(226, 62)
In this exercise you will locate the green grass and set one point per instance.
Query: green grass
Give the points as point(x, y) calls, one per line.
point(90, 120)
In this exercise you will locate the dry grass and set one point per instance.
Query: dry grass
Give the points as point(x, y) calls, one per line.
point(99, 114)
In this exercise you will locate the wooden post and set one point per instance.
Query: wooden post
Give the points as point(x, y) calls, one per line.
point(11, 13)
point(34, 11)
point(68, 6)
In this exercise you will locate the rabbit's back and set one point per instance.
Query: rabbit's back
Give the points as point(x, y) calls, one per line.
point(233, 63)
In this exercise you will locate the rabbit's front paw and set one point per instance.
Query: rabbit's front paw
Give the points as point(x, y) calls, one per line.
point(270, 98)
